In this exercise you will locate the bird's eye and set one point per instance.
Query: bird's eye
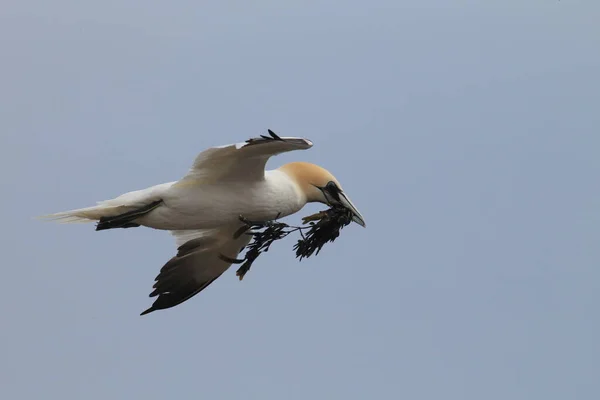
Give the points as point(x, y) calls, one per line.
point(333, 190)
point(332, 187)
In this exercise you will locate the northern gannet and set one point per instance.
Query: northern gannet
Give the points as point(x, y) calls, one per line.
point(202, 210)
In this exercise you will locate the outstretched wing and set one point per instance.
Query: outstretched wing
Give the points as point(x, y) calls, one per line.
point(202, 256)
point(242, 161)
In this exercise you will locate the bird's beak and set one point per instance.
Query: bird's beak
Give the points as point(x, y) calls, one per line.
point(356, 216)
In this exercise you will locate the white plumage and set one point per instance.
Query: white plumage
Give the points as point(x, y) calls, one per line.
point(202, 209)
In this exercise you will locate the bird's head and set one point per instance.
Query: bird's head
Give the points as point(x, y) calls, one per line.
point(319, 185)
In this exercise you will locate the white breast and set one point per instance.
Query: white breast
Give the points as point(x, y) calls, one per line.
point(212, 205)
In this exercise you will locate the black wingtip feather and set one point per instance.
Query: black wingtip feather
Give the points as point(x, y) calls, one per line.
point(148, 311)
point(274, 135)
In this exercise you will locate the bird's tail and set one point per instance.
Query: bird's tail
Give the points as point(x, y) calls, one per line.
point(118, 211)
point(108, 217)
point(88, 214)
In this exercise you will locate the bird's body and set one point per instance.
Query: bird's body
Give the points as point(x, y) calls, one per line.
point(210, 205)
point(202, 210)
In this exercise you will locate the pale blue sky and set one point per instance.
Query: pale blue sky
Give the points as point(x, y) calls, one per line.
point(466, 132)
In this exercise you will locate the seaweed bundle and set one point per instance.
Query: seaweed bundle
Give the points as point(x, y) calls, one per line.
point(322, 228)
point(327, 228)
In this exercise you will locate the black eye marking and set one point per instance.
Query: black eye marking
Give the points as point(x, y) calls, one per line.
point(333, 190)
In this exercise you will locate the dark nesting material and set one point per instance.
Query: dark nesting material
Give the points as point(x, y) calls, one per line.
point(322, 228)
point(326, 229)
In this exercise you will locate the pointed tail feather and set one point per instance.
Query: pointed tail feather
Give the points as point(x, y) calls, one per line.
point(83, 215)
point(124, 206)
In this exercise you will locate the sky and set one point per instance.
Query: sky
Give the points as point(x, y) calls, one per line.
point(466, 132)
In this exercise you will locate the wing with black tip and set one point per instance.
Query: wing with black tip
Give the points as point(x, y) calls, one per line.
point(241, 161)
point(202, 257)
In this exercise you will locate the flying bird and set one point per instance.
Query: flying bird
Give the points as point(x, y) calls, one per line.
point(202, 210)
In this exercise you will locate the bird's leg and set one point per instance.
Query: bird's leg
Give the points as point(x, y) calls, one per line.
point(242, 230)
point(259, 224)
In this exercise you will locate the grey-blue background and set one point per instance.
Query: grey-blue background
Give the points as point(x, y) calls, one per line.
point(465, 131)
